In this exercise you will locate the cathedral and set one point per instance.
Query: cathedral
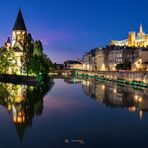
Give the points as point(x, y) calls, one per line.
point(134, 40)
point(18, 35)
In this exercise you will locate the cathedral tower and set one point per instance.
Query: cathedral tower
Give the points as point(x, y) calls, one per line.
point(131, 39)
point(19, 30)
point(140, 33)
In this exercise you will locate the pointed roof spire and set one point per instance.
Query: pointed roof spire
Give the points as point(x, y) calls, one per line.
point(8, 40)
point(19, 23)
point(141, 28)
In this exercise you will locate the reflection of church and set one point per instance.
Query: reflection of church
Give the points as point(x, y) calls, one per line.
point(18, 36)
point(134, 40)
point(23, 103)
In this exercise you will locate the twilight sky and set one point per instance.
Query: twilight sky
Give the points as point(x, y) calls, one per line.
point(68, 28)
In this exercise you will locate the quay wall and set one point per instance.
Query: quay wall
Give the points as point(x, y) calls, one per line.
point(128, 75)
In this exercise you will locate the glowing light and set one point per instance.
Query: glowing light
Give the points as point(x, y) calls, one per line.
point(138, 98)
point(132, 108)
point(141, 114)
point(103, 87)
point(115, 90)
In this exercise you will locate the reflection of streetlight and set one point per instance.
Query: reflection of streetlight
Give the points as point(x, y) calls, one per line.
point(103, 87)
point(132, 108)
point(103, 67)
point(115, 90)
point(141, 114)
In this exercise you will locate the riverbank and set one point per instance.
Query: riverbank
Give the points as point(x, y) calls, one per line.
point(18, 79)
point(130, 78)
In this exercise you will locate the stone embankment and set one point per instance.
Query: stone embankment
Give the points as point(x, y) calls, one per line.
point(127, 77)
point(15, 79)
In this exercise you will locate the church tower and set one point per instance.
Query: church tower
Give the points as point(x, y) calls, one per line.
point(8, 43)
point(140, 33)
point(19, 30)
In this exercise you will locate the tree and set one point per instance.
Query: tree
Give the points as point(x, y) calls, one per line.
point(125, 66)
point(28, 52)
point(7, 60)
point(35, 61)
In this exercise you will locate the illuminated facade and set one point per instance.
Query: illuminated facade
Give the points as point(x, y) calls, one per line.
point(89, 60)
point(119, 55)
point(72, 65)
point(141, 60)
point(134, 40)
point(101, 59)
point(18, 36)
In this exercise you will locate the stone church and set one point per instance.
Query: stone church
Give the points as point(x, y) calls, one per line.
point(18, 35)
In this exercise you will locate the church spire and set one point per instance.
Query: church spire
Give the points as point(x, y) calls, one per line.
point(141, 28)
point(8, 40)
point(19, 23)
point(141, 33)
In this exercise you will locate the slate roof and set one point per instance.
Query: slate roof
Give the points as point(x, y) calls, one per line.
point(19, 23)
point(8, 40)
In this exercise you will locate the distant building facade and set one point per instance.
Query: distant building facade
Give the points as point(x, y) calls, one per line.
point(72, 64)
point(88, 60)
point(140, 59)
point(119, 55)
point(101, 61)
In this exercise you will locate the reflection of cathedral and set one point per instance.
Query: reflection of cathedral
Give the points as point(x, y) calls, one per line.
point(134, 40)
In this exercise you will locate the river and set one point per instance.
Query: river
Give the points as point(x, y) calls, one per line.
point(73, 113)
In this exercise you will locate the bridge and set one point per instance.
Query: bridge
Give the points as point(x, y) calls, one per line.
point(63, 72)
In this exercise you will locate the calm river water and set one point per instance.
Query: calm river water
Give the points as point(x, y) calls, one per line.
point(73, 113)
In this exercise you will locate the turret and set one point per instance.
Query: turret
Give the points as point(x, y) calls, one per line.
point(8, 43)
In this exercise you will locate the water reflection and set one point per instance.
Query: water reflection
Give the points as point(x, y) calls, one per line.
point(23, 103)
point(115, 96)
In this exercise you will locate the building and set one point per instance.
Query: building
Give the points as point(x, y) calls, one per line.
point(89, 60)
point(119, 55)
point(134, 40)
point(19, 31)
point(85, 62)
point(72, 65)
point(59, 66)
point(18, 36)
point(101, 55)
point(140, 59)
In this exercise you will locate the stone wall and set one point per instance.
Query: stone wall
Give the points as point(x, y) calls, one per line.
point(129, 76)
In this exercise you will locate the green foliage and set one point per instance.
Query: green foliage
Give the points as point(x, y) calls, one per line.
point(36, 61)
point(33, 60)
point(7, 60)
point(125, 66)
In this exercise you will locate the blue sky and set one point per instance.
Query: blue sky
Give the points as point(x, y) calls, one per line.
point(68, 28)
